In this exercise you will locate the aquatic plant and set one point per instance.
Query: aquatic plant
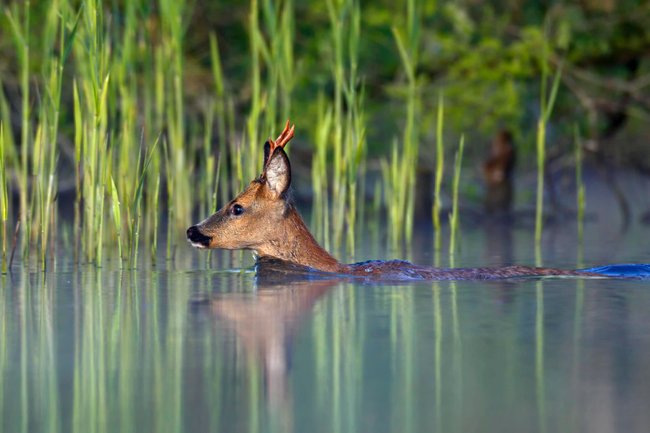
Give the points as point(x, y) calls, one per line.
point(453, 217)
point(400, 173)
point(340, 132)
point(4, 198)
point(580, 187)
point(21, 36)
point(547, 101)
point(439, 172)
point(319, 173)
point(99, 84)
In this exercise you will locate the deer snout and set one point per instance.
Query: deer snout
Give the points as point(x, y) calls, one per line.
point(197, 238)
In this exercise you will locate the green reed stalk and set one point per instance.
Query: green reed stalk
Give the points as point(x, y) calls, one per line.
point(78, 140)
point(402, 194)
point(580, 187)
point(269, 53)
point(546, 108)
point(320, 184)
point(355, 134)
point(453, 218)
point(171, 13)
point(286, 67)
point(47, 179)
point(115, 199)
point(347, 135)
point(102, 164)
point(136, 204)
point(92, 91)
point(154, 212)
point(337, 32)
point(541, 159)
point(220, 107)
point(21, 34)
point(249, 170)
point(439, 172)
point(391, 178)
point(4, 198)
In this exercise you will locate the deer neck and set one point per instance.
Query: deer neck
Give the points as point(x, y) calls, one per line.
point(294, 243)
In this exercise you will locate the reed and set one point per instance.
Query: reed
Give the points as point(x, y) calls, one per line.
point(348, 135)
point(320, 184)
point(21, 36)
point(400, 179)
point(4, 198)
point(179, 161)
point(224, 113)
point(251, 164)
point(134, 228)
point(580, 188)
point(439, 172)
point(453, 217)
point(49, 119)
point(126, 89)
point(547, 101)
point(117, 218)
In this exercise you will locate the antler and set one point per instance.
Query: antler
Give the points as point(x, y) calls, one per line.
point(283, 138)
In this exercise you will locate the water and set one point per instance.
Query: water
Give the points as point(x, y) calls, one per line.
point(187, 346)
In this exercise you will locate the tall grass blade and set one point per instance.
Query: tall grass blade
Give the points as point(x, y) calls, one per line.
point(453, 218)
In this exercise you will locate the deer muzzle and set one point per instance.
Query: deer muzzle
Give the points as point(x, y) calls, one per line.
point(198, 239)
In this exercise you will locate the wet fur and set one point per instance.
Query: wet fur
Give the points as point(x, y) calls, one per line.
point(271, 226)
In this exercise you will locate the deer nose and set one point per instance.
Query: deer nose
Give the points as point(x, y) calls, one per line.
point(196, 237)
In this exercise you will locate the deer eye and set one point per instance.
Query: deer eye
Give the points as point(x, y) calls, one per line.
point(237, 209)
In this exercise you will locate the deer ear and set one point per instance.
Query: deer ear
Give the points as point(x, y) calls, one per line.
point(278, 172)
point(267, 150)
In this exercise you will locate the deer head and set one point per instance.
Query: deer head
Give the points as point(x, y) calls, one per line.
point(251, 220)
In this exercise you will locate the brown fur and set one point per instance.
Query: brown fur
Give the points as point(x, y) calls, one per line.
point(272, 227)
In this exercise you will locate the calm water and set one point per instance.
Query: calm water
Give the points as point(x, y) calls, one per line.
point(187, 346)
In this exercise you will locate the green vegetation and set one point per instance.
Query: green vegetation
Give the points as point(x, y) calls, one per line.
point(546, 108)
point(143, 115)
point(453, 217)
point(580, 190)
point(4, 199)
point(439, 172)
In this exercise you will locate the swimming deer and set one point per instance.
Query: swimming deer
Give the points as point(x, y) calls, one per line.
point(264, 219)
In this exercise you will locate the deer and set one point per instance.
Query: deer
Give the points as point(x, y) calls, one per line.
point(264, 218)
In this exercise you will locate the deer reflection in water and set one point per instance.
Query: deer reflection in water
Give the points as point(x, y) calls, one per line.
point(264, 323)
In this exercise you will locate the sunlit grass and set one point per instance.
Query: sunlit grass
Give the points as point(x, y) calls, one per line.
point(320, 184)
point(453, 217)
point(439, 173)
point(400, 173)
point(547, 101)
point(21, 34)
point(346, 145)
point(4, 198)
point(580, 190)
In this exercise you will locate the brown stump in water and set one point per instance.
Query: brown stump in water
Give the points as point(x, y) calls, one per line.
point(497, 173)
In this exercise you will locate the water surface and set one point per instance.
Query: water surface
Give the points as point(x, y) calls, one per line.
point(187, 346)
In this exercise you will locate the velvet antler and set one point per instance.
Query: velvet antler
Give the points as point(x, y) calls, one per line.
point(283, 138)
point(281, 141)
